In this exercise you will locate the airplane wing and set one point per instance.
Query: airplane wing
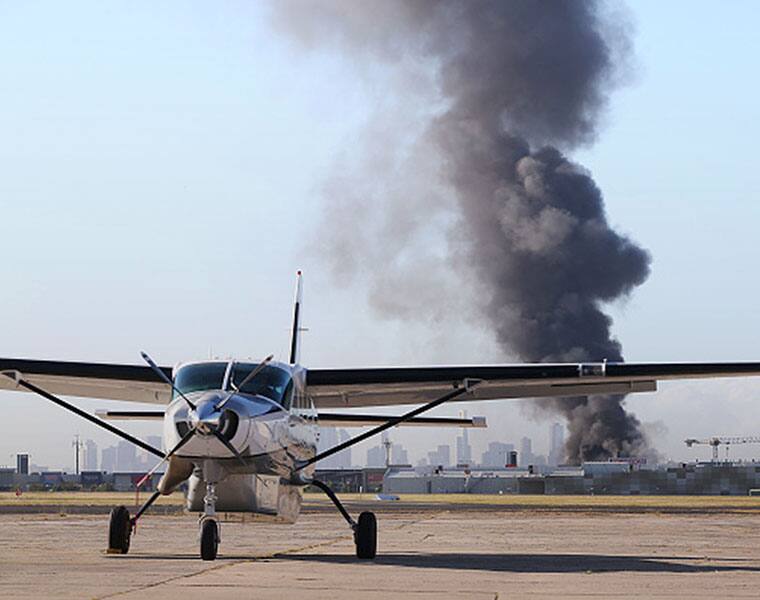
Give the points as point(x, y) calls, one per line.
point(134, 383)
point(386, 386)
point(348, 388)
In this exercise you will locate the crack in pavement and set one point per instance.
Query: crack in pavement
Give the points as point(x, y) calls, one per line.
point(233, 562)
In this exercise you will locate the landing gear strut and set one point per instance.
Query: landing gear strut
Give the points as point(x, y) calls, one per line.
point(209, 527)
point(365, 529)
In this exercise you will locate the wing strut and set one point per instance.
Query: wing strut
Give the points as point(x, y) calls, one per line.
point(467, 386)
point(16, 376)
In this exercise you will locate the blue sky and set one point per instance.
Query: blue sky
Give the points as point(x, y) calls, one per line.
point(160, 168)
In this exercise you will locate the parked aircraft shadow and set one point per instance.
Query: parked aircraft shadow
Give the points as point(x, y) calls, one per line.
point(535, 563)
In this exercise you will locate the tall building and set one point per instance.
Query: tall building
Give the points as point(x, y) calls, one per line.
point(556, 444)
point(399, 455)
point(376, 456)
point(108, 459)
point(440, 457)
point(330, 437)
point(526, 452)
point(387, 453)
point(22, 464)
point(126, 457)
point(464, 450)
point(496, 455)
point(90, 456)
point(148, 461)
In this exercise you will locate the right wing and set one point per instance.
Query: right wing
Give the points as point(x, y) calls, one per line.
point(386, 386)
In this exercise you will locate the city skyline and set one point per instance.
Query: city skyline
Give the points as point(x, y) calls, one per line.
point(123, 457)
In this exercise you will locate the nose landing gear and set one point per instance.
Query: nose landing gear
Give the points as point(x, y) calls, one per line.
point(209, 539)
point(209, 527)
point(121, 525)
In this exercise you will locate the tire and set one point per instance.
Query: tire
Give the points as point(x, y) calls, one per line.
point(209, 539)
point(119, 531)
point(366, 536)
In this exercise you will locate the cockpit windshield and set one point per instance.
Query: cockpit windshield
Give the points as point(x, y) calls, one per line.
point(200, 377)
point(271, 382)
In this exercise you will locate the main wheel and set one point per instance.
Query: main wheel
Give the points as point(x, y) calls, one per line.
point(119, 531)
point(209, 539)
point(365, 536)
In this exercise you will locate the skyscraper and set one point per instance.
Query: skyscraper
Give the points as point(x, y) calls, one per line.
point(441, 456)
point(90, 456)
point(526, 452)
point(108, 459)
point(344, 456)
point(496, 455)
point(399, 455)
point(556, 444)
point(147, 460)
point(386, 453)
point(330, 437)
point(22, 464)
point(126, 457)
point(464, 450)
point(376, 456)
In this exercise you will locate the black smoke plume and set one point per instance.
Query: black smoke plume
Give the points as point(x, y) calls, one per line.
point(516, 85)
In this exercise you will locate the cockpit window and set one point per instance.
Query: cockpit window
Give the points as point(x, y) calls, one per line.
point(272, 382)
point(200, 377)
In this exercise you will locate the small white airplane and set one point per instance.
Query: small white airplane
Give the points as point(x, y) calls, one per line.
point(244, 435)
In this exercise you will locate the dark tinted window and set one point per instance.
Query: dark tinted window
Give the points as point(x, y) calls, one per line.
point(272, 382)
point(203, 376)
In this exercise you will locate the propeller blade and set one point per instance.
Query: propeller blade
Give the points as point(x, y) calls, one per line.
point(248, 377)
point(256, 371)
point(185, 439)
point(163, 376)
point(229, 446)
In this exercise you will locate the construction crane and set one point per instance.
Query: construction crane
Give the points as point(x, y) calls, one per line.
point(722, 441)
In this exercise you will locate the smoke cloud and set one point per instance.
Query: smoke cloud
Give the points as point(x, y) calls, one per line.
point(473, 159)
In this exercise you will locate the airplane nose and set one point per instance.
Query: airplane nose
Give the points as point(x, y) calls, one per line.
point(206, 417)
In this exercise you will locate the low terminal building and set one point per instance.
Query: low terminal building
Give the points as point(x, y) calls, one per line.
point(613, 478)
point(86, 480)
point(718, 479)
point(462, 481)
point(367, 479)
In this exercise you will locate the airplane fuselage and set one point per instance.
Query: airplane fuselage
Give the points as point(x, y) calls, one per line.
point(270, 422)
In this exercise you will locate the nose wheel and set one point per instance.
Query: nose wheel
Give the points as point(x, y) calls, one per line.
point(209, 527)
point(209, 539)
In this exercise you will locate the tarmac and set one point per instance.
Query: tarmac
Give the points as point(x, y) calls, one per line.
point(427, 551)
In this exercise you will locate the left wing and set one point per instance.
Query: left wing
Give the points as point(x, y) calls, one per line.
point(347, 388)
point(134, 383)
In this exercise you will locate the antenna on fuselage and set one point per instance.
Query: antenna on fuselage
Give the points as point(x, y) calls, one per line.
point(295, 335)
